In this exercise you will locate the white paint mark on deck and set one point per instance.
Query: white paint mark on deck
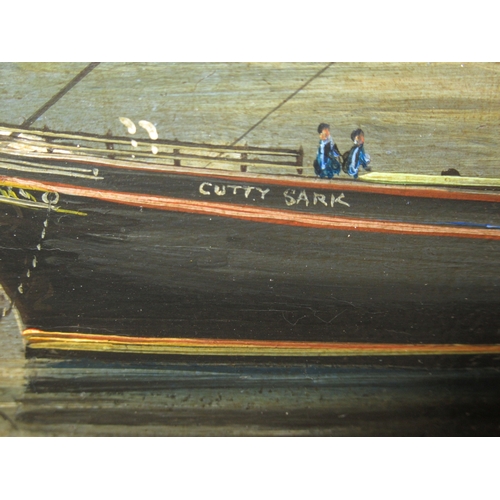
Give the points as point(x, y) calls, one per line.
point(131, 128)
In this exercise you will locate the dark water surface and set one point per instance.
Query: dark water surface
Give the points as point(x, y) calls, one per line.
point(175, 397)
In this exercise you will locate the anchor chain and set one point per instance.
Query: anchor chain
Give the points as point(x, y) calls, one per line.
point(50, 198)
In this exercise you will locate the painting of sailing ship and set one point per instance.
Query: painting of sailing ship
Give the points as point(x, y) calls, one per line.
point(126, 241)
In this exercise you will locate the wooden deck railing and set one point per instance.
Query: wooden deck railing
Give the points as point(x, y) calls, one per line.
point(177, 153)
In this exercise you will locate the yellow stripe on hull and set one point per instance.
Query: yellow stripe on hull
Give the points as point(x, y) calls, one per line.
point(429, 180)
point(220, 347)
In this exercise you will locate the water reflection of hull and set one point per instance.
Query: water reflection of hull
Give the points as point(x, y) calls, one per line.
point(157, 258)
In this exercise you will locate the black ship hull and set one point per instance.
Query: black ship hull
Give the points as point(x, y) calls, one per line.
point(228, 258)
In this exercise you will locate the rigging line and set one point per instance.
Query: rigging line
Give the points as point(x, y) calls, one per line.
point(283, 102)
point(29, 121)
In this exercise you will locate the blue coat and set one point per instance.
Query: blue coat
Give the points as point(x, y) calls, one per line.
point(354, 159)
point(327, 162)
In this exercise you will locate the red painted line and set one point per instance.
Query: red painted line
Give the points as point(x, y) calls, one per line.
point(406, 191)
point(35, 336)
point(266, 215)
point(333, 185)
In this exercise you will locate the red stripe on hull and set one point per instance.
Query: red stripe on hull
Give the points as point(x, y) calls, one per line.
point(36, 336)
point(356, 186)
point(254, 214)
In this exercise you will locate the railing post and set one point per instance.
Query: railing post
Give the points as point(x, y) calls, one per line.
point(48, 139)
point(244, 156)
point(110, 145)
point(300, 161)
point(177, 162)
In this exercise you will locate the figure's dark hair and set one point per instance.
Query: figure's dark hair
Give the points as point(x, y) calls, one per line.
point(322, 127)
point(355, 133)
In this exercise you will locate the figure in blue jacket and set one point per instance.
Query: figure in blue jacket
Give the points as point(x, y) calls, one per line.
point(356, 157)
point(328, 158)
